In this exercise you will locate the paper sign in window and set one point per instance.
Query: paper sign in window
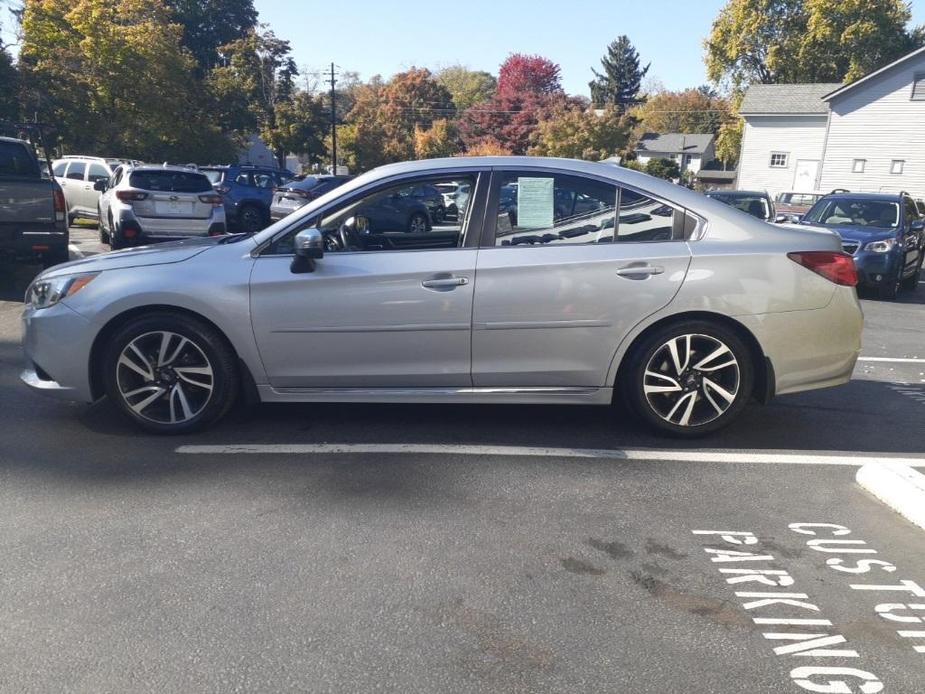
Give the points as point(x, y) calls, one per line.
point(535, 203)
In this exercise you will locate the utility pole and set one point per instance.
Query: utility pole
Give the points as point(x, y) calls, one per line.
point(333, 82)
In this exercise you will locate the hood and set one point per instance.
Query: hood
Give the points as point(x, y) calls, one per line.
point(143, 256)
point(853, 233)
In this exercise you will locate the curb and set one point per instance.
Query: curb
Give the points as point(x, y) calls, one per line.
point(898, 486)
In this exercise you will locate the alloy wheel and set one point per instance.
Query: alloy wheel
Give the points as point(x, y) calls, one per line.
point(164, 377)
point(692, 380)
point(418, 224)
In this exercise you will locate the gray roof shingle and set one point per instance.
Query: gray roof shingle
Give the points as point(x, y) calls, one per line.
point(787, 98)
point(673, 142)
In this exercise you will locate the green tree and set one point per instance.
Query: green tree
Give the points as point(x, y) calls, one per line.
point(113, 77)
point(9, 86)
point(210, 24)
point(581, 134)
point(729, 138)
point(361, 141)
point(782, 41)
point(467, 87)
point(663, 168)
point(300, 125)
point(619, 83)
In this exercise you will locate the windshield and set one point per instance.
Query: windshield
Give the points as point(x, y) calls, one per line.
point(754, 205)
point(877, 214)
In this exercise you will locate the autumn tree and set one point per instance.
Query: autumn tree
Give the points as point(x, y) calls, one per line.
point(467, 87)
point(729, 138)
point(782, 41)
point(619, 83)
point(440, 140)
point(529, 74)
point(115, 78)
point(581, 134)
point(698, 110)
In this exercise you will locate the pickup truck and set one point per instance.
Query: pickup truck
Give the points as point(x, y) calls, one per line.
point(33, 213)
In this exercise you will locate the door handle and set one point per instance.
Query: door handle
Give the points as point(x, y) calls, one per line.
point(640, 270)
point(445, 282)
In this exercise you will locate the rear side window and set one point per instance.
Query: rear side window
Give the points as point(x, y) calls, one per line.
point(98, 172)
point(76, 170)
point(15, 160)
point(170, 181)
point(59, 168)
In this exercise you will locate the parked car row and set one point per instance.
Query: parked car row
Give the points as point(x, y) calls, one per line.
point(883, 232)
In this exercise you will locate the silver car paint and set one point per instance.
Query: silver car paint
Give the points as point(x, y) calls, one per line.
point(808, 327)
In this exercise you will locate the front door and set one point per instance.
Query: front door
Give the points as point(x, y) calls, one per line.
point(804, 179)
point(384, 307)
point(574, 264)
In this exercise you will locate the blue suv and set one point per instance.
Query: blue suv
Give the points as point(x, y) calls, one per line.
point(248, 193)
point(883, 231)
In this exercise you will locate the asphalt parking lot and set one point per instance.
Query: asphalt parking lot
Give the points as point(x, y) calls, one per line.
point(305, 548)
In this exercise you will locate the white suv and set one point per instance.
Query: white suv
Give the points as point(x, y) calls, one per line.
point(144, 204)
point(77, 175)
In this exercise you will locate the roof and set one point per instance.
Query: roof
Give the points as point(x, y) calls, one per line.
point(787, 99)
point(740, 193)
point(876, 197)
point(674, 142)
point(716, 175)
point(842, 89)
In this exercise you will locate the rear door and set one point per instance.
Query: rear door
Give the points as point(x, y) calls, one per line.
point(27, 197)
point(557, 290)
point(73, 185)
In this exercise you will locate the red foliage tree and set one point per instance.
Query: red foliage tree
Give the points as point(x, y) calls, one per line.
point(522, 74)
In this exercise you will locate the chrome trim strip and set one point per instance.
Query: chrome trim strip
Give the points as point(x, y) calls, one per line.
point(538, 390)
point(423, 327)
point(541, 325)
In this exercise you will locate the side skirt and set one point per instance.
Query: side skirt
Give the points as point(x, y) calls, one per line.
point(512, 396)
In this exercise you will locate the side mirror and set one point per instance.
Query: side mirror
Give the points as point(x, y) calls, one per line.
point(101, 185)
point(309, 247)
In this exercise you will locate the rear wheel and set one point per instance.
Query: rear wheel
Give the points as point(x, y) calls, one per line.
point(251, 219)
point(689, 379)
point(170, 374)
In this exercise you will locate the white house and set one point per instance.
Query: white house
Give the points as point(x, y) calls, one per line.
point(868, 135)
point(690, 152)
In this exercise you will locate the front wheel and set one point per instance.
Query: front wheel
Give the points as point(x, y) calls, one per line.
point(890, 289)
point(418, 223)
point(689, 379)
point(170, 374)
point(251, 219)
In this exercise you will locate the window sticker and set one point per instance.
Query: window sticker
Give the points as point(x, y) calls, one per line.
point(535, 203)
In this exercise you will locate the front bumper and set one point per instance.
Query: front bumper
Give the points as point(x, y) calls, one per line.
point(57, 343)
point(875, 269)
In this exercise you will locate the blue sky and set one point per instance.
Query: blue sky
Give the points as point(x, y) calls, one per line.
point(371, 36)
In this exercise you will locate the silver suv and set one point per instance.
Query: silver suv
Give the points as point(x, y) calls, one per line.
point(145, 204)
point(77, 176)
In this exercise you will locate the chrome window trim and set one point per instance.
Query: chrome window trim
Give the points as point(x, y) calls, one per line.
point(477, 171)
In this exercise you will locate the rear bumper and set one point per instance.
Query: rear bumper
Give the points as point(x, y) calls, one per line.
point(811, 349)
point(32, 242)
point(133, 229)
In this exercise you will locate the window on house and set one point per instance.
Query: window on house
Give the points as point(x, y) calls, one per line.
point(858, 166)
point(779, 160)
point(918, 87)
point(897, 166)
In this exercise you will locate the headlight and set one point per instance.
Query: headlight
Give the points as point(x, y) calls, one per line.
point(45, 293)
point(884, 246)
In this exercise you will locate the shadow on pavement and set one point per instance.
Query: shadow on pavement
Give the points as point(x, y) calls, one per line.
point(15, 279)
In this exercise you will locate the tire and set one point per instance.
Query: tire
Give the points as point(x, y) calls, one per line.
point(889, 292)
point(696, 401)
point(194, 386)
point(251, 219)
point(910, 284)
point(418, 224)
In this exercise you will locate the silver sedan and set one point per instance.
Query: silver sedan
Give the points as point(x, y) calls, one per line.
point(563, 282)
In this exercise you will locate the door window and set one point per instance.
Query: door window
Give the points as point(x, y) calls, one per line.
point(244, 179)
point(76, 170)
point(263, 180)
point(59, 168)
point(538, 209)
point(97, 172)
point(391, 219)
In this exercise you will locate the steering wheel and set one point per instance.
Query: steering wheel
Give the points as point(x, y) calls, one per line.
point(349, 236)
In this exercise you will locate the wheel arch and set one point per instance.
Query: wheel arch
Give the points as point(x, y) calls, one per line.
point(97, 387)
point(765, 378)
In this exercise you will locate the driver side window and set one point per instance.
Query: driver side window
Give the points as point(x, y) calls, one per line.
point(401, 217)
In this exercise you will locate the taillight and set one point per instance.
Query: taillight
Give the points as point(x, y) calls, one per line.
point(60, 204)
point(131, 195)
point(213, 199)
point(835, 266)
point(289, 192)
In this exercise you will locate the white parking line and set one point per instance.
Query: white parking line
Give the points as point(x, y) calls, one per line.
point(891, 360)
point(76, 252)
point(672, 456)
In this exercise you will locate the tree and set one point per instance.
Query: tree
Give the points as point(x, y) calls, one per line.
point(210, 24)
point(619, 84)
point(729, 138)
point(411, 99)
point(113, 77)
point(467, 87)
point(783, 41)
point(581, 134)
point(440, 140)
point(524, 74)
point(487, 148)
point(663, 168)
point(9, 86)
point(300, 125)
point(687, 111)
